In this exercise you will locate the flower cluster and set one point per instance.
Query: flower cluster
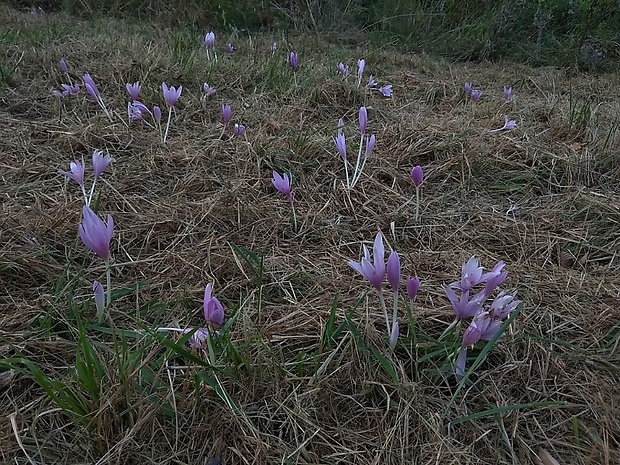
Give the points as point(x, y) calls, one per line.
point(385, 90)
point(475, 94)
point(375, 271)
point(366, 146)
point(486, 318)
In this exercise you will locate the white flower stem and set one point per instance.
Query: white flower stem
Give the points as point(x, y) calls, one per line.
point(167, 125)
point(395, 308)
point(357, 163)
point(294, 216)
point(90, 195)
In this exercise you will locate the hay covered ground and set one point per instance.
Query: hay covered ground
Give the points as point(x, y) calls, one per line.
point(544, 198)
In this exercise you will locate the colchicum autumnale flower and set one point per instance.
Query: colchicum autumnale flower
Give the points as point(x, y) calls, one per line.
point(95, 233)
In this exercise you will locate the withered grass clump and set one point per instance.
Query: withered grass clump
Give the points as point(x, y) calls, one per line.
point(544, 198)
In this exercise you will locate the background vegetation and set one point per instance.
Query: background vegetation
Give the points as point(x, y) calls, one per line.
point(585, 33)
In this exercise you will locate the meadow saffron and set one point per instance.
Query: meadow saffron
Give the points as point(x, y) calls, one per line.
point(373, 270)
point(95, 233)
point(133, 89)
point(212, 308)
point(293, 61)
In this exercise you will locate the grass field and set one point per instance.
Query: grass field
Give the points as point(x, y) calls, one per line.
point(301, 371)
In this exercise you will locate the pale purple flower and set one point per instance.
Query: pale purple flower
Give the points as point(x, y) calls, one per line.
point(475, 95)
point(508, 124)
point(342, 69)
point(171, 94)
point(238, 130)
point(67, 89)
point(363, 119)
point(413, 286)
point(394, 334)
point(507, 94)
point(213, 309)
point(76, 173)
point(134, 111)
point(63, 65)
point(386, 90)
point(503, 305)
point(341, 145)
point(229, 48)
point(209, 90)
point(198, 340)
point(417, 175)
point(100, 162)
point(371, 83)
point(273, 48)
point(210, 40)
point(361, 63)
point(226, 113)
point(133, 89)
point(99, 295)
point(293, 60)
point(340, 125)
point(370, 144)
point(95, 233)
point(471, 275)
point(283, 184)
point(461, 361)
point(373, 271)
point(156, 113)
point(91, 87)
point(462, 307)
point(393, 270)
point(468, 88)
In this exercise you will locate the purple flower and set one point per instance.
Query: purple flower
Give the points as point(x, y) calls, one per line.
point(363, 119)
point(134, 111)
point(76, 173)
point(229, 48)
point(371, 83)
point(507, 94)
point(171, 95)
point(238, 130)
point(293, 60)
point(374, 271)
point(283, 184)
point(156, 113)
point(273, 48)
point(503, 305)
point(386, 90)
point(209, 90)
point(96, 235)
point(340, 125)
point(393, 270)
point(413, 286)
point(508, 124)
point(417, 175)
point(99, 297)
point(361, 63)
point(67, 89)
point(461, 361)
point(341, 145)
point(133, 90)
point(100, 162)
point(463, 307)
point(63, 65)
point(91, 87)
point(370, 144)
point(213, 309)
point(471, 275)
point(475, 95)
point(342, 69)
point(468, 89)
point(198, 340)
point(210, 40)
point(226, 113)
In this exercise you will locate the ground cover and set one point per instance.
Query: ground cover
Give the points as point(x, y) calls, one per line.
point(302, 371)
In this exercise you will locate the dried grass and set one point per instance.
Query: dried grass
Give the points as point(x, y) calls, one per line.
point(544, 198)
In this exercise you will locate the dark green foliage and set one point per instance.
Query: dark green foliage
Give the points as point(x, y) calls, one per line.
point(560, 32)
